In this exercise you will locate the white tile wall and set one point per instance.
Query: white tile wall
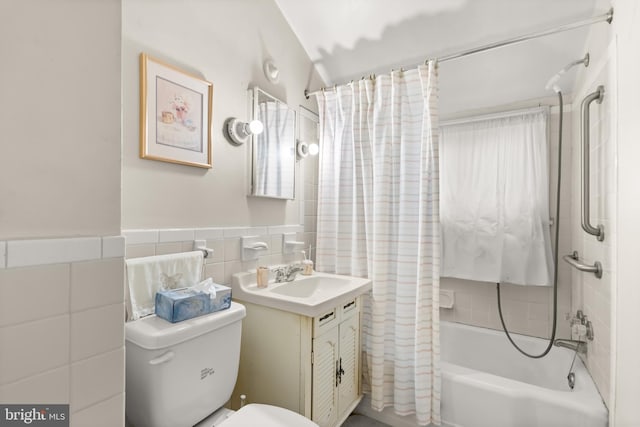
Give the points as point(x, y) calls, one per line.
point(208, 233)
point(134, 237)
point(44, 288)
point(226, 243)
point(113, 247)
point(590, 294)
point(176, 235)
point(34, 347)
point(96, 283)
point(169, 248)
point(107, 370)
point(140, 250)
point(51, 387)
point(52, 251)
point(96, 331)
point(107, 413)
point(61, 310)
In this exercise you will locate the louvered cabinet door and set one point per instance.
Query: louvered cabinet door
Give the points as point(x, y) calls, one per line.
point(348, 363)
point(324, 409)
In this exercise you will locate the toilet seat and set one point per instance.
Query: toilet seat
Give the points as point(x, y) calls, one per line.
point(256, 414)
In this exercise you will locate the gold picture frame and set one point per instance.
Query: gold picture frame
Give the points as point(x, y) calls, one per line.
point(175, 114)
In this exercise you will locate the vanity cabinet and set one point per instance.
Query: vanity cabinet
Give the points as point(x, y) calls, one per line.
point(308, 365)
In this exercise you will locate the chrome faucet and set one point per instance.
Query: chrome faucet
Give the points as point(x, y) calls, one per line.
point(288, 272)
point(579, 346)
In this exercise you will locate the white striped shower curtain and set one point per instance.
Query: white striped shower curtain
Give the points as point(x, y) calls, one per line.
point(378, 217)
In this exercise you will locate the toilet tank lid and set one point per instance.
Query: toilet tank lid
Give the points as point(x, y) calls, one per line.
point(154, 333)
point(256, 414)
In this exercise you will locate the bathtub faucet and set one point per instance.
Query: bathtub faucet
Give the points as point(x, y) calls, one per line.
point(579, 346)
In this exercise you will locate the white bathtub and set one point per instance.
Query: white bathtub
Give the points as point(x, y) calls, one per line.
point(488, 383)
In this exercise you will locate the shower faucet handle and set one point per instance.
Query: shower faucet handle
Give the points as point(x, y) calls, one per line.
point(589, 327)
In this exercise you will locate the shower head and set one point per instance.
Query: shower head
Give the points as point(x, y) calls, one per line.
point(553, 81)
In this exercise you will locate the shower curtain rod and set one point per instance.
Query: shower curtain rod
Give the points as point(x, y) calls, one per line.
point(607, 17)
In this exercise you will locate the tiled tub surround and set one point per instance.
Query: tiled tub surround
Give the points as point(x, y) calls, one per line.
point(590, 294)
point(62, 326)
point(225, 242)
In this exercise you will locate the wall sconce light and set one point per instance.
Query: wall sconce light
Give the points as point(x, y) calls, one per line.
point(303, 149)
point(238, 132)
point(271, 71)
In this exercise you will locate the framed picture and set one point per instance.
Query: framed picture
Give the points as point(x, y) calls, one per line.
point(175, 114)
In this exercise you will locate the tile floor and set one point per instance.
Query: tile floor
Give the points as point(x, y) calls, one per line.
point(357, 420)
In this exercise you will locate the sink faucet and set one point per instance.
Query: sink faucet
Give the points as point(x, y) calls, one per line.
point(579, 346)
point(287, 273)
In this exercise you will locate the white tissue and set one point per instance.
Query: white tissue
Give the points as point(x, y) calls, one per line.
point(207, 286)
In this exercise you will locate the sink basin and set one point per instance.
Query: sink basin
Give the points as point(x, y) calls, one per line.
point(308, 287)
point(306, 295)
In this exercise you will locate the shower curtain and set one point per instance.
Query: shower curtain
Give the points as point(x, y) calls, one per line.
point(378, 216)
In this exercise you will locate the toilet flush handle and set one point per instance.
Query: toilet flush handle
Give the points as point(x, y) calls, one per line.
point(162, 359)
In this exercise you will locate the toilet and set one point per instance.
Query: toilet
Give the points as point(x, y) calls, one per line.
point(178, 374)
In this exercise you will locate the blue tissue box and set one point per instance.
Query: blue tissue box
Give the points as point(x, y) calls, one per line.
point(186, 303)
point(223, 298)
point(181, 304)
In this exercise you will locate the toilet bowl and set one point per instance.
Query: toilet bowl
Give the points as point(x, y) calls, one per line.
point(178, 374)
point(256, 414)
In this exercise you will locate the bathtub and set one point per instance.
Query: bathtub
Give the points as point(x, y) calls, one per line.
point(487, 382)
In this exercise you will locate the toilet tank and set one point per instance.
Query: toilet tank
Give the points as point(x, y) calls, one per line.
point(179, 373)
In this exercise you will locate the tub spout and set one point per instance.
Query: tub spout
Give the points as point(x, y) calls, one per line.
point(579, 346)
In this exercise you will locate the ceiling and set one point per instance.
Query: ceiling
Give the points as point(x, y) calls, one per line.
point(348, 39)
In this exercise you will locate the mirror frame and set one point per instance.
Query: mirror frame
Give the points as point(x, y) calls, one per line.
point(256, 93)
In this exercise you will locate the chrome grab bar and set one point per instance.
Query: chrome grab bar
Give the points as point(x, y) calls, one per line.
point(586, 224)
point(574, 261)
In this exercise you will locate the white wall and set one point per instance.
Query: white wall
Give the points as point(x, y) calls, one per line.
point(225, 42)
point(60, 151)
point(626, 371)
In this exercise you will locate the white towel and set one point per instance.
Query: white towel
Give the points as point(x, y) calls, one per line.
point(146, 276)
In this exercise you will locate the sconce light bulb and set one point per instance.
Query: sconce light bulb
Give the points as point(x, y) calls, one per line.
point(314, 149)
point(256, 127)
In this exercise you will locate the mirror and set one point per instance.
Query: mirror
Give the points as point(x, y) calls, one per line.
point(273, 157)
